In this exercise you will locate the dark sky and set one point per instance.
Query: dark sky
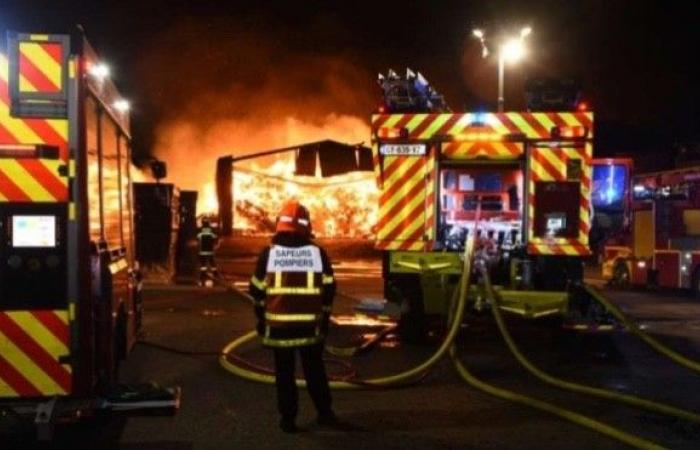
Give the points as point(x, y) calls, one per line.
point(636, 58)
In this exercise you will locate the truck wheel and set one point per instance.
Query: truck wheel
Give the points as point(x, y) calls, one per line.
point(405, 290)
point(621, 275)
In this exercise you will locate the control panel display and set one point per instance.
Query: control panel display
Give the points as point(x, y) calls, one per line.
point(34, 231)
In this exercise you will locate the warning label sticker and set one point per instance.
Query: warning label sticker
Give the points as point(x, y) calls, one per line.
point(294, 259)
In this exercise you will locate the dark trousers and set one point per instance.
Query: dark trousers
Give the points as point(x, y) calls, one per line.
point(314, 373)
point(207, 268)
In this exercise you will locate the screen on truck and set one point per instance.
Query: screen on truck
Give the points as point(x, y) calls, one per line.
point(609, 184)
point(33, 231)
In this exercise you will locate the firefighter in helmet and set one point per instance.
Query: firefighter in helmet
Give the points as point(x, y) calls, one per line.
point(207, 241)
point(293, 288)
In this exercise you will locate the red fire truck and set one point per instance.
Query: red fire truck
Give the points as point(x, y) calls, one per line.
point(662, 245)
point(69, 284)
point(522, 180)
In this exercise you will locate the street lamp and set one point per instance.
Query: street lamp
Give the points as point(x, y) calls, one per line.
point(511, 50)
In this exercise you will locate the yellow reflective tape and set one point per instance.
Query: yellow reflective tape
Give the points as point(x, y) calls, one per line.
point(38, 332)
point(25, 85)
point(415, 121)
point(17, 128)
point(310, 280)
point(291, 317)
point(258, 283)
point(43, 62)
point(522, 125)
point(60, 126)
point(71, 313)
point(545, 121)
point(278, 279)
point(71, 168)
point(291, 342)
point(4, 68)
point(435, 126)
point(327, 279)
point(25, 181)
point(494, 122)
point(71, 211)
point(72, 69)
point(400, 195)
point(293, 291)
point(38, 37)
point(406, 210)
point(28, 368)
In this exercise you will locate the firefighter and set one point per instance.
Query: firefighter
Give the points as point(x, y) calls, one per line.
point(207, 241)
point(293, 288)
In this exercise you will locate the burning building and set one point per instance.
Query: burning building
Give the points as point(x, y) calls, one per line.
point(334, 180)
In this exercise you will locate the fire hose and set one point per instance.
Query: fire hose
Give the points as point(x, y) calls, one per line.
point(637, 331)
point(458, 306)
point(569, 385)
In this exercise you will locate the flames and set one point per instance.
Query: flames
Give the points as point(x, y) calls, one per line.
point(340, 206)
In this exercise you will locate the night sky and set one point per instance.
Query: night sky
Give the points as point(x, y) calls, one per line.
point(635, 58)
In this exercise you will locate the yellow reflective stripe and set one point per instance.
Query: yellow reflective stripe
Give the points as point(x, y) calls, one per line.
point(258, 283)
point(43, 62)
point(39, 333)
point(291, 317)
point(278, 279)
point(310, 280)
point(291, 342)
point(328, 279)
point(293, 291)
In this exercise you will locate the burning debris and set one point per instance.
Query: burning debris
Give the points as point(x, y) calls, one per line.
point(340, 206)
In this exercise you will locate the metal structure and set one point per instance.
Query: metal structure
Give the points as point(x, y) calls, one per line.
point(662, 244)
point(69, 282)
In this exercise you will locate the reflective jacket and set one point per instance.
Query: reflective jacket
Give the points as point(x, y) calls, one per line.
point(207, 241)
point(293, 288)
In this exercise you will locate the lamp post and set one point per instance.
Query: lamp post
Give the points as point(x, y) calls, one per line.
point(510, 50)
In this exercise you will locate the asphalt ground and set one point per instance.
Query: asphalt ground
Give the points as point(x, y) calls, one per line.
point(220, 411)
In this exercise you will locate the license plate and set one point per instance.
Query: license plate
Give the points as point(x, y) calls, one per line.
point(402, 149)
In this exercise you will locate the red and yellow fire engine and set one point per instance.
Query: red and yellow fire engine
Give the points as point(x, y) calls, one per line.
point(69, 288)
point(662, 245)
point(521, 179)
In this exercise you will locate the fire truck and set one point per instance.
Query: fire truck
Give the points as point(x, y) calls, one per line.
point(522, 180)
point(662, 245)
point(70, 306)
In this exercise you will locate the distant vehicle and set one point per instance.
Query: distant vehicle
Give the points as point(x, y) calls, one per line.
point(661, 247)
point(70, 304)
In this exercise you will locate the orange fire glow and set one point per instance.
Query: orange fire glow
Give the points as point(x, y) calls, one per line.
point(340, 206)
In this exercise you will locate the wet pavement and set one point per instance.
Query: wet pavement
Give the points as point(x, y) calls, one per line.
point(220, 411)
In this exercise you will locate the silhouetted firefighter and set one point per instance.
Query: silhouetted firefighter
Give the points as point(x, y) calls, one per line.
point(207, 240)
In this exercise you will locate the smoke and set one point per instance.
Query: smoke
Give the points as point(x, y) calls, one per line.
point(221, 90)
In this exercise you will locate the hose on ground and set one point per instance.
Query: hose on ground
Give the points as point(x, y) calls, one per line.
point(569, 385)
point(571, 416)
point(634, 328)
point(408, 376)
